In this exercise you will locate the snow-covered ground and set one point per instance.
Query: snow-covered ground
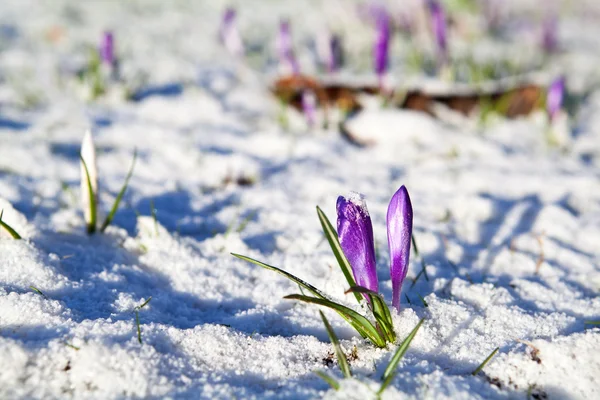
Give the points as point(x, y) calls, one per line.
point(507, 222)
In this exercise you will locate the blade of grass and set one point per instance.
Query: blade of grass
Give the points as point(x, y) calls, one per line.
point(115, 205)
point(360, 323)
point(330, 381)
point(38, 291)
point(71, 346)
point(91, 225)
point(8, 228)
point(137, 324)
point(423, 300)
point(390, 370)
point(339, 353)
point(381, 312)
point(591, 322)
point(414, 244)
point(478, 369)
point(291, 277)
point(334, 242)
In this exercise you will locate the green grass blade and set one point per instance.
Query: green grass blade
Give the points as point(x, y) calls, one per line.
point(91, 227)
point(358, 322)
point(390, 371)
point(291, 277)
point(144, 303)
point(115, 205)
point(137, 324)
point(478, 369)
point(381, 311)
point(332, 238)
point(330, 381)
point(8, 228)
point(339, 353)
point(38, 291)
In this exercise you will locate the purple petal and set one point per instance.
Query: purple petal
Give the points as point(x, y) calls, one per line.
point(285, 49)
point(229, 34)
point(555, 97)
point(381, 49)
point(356, 238)
point(399, 229)
point(438, 24)
point(329, 50)
point(107, 52)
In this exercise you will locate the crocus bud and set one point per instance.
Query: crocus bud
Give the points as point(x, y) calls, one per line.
point(355, 232)
point(88, 155)
point(329, 50)
point(549, 39)
point(438, 25)
point(229, 34)
point(107, 49)
point(309, 106)
point(382, 44)
point(285, 49)
point(555, 97)
point(399, 230)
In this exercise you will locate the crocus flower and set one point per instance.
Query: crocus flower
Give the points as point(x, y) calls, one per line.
point(399, 230)
point(309, 106)
point(555, 97)
point(549, 28)
point(229, 34)
point(88, 155)
point(382, 44)
point(285, 49)
point(438, 24)
point(355, 232)
point(107, 49)
point(329, 50)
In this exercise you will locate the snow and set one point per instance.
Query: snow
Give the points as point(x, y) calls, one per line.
point(507, 221)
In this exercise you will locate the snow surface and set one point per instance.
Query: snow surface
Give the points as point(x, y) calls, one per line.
point(507, 224)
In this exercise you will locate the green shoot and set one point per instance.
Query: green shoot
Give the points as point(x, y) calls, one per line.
point(380, 310)
point(358, 322)
point(334, 242)
point(592, 322)
point(330, 381)
point(115, 206)
point(423, 300)
point(390, 371)
point(91, 224)
point(414, 245)
point(71, 346)
point(8, 228)
point(38, 291)
point(407, 299)
point(483, 364)
point(137, 318)
point(339, 353)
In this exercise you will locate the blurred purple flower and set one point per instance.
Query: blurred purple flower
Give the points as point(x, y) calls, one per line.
point(555, 97)
point(107, 49)
point(355, 232)
point(329, 50)
point(399, 229)
point(438, 24)
point(549, 29)
point(285, 50)
point(382, 43)
point(309, 107)
point(229, 34)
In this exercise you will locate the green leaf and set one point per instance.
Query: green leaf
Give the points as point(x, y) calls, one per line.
point(115, 206)
point(332, 382)
point(137, 324)
point(380, 310)
point(390, 371)
point(91, 227)
point(478, 369)
point(358, 322)
point(339, 353)
point(334, 242)
point(291, 277)
point(8, 228)
point(144, 303)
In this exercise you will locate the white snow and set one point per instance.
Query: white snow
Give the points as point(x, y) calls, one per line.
point(507, 222)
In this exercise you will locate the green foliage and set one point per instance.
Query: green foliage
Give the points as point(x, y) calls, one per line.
point(8, 228)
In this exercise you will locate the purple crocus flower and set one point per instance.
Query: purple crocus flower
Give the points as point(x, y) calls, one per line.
point(382, 44)
point(355, 232)
point(229, 34)
point(438, 24)
point(549, 39)
point(107, 50)
point(309, 106)
point(555, 97)
point(285, 49)
point(399, 229)
point(329, 50)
